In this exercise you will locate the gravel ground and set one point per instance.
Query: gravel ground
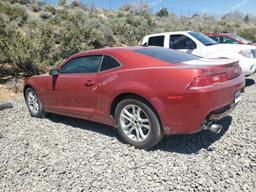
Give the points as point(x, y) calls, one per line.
point(66, 154)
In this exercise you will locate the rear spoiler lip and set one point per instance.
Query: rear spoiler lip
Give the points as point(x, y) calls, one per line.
point(212, 63)
point(183, 65)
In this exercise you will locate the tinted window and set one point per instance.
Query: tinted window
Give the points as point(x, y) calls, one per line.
point(203, 38)
point(215, 38)
point(108, 63)
point(167, 55)
point(181, 42)
point(88, 64)
point(156, 41)
point(228, 40)
point(240, 38)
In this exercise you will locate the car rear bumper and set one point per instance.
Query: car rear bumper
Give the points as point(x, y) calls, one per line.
point(221, 113)
point(215, 116)
point(185, 116)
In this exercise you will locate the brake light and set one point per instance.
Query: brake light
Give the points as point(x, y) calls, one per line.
point(207, 80)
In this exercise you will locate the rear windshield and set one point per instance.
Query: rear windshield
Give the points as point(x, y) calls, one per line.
point(168, 55)
point(207, 41)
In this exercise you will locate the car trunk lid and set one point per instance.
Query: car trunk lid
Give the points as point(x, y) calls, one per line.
point(215, 66)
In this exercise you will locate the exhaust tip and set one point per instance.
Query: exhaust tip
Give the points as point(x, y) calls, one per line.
point(215, 128)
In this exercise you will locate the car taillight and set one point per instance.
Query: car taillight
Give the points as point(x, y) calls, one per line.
point(207, 80)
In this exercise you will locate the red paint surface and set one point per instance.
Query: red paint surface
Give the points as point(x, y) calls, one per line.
point(164, 85)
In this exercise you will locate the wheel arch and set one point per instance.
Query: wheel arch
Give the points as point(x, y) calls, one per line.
point(26, 87)
point(127, 95)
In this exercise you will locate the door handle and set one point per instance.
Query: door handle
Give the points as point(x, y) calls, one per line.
point(89, 83)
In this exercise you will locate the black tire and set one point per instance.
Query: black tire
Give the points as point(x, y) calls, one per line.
point(40, 112)
point(156, 131)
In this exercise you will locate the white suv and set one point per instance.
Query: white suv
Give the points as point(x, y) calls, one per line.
point(201, 45)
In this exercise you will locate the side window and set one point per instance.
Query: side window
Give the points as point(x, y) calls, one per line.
point(228, 40)
point(181, 42)
point(215, 38)
point(156, 41)
point(87, 64)
point(221, 39)
point(108, 63)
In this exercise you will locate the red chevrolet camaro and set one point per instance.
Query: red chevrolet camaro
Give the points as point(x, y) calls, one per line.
point(145, 92)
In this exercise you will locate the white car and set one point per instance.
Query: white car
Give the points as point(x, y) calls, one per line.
point(201, 45)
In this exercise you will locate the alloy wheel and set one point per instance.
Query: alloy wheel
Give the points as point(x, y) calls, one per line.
point(135, 123)
point(33, 102)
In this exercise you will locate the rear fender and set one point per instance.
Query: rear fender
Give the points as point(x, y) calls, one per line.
point(140, 89)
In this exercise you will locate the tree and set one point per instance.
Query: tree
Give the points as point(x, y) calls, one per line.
point(30, 43)
point(233, 16)
point(163, 12)
point(62, 3)
point(75, 3)
point(23, 2)
point(246, 19)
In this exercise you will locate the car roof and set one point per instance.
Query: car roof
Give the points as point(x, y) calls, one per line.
point(104, 51)
point(222, 34)
point(168, 33)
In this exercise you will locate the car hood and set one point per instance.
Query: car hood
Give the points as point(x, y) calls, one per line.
point(230, 47)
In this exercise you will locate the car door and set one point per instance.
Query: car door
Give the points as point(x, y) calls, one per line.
point(156, 41)
point(182, 43)
point(71, 92)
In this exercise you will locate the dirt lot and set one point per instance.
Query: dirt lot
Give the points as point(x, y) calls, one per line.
point(10, 88)
point(65, 154)
point(7, 94)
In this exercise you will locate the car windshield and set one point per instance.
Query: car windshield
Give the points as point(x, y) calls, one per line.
point(168, 55)
point(203, 38)
point(239, 38)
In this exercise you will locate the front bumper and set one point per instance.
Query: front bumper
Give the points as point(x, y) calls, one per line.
point(248, 66)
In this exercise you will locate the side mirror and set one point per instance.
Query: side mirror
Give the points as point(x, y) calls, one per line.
point(54, 72)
